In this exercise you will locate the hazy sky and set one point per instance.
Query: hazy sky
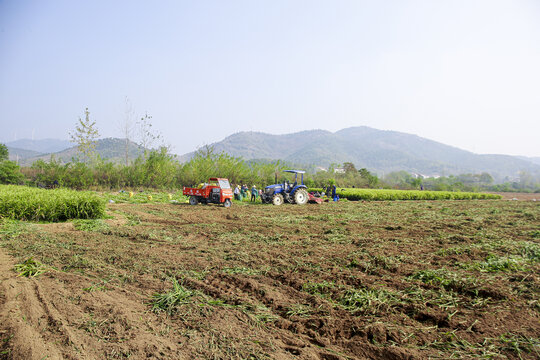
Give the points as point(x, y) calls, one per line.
point(465, 73)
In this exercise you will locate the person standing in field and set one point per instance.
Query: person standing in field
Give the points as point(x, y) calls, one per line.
point(254, 193)
point(237, 192)
point(334, 196)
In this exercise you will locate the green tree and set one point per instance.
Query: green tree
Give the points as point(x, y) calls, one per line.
point(85, 136)
point(4, 153)
point(486, 178)
point(10, 173)
point(372, 180)
point(349, 167)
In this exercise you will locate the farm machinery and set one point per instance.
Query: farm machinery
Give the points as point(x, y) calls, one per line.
point(295, 193)
point(216, 191)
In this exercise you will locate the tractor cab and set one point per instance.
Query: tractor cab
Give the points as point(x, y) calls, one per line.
point(294, 193)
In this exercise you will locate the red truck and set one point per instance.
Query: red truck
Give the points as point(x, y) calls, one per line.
point(216, 191)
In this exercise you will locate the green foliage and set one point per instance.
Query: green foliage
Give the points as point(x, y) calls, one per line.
point(30, 268)
point(85, 136)
point(144, 197)
point(367, 301)
point(10, 173)
point(4, 153)
point(90, 225)
point(207, 163)
point(375, 194)
point(494, 263)
point(170, 301)
point(321, 288)
point(371, 179)
point(158, 169)
point(518, 344)
point(531, 251)
point(25, 203)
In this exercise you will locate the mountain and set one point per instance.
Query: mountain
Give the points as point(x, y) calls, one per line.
point(112, 149)
point(43, 146)
point(535, 160)
point(16, 154)
point(380, 151)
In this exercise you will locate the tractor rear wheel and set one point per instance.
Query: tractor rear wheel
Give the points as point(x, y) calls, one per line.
point(301, 197)
point(193, 200)
point(278, 199)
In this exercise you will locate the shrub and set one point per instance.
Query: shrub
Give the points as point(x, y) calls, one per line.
point(375, 194)
point(10, 173)
point(26, 203)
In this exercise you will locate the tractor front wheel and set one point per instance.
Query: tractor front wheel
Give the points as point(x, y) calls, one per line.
point(227, 203)
point(193, 200)
point(301, 197)
point(278, 199)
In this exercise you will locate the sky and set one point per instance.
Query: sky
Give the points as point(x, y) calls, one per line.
point(463, 72)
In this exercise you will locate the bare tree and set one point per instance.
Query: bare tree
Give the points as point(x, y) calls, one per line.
point(147, 137)
point(127, 127)
point(85, 136)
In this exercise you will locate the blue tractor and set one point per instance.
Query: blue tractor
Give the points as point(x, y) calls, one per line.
point(295, 193)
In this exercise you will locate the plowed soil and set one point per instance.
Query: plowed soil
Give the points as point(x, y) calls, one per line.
point(348, 280)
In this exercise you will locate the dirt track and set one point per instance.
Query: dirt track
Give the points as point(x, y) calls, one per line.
point(333, 281)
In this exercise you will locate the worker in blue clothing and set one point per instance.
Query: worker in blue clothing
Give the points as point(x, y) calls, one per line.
point(254, 193)
point(335, 197)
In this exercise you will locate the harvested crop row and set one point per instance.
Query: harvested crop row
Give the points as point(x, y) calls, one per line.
point(26, 203)
point(376, 194)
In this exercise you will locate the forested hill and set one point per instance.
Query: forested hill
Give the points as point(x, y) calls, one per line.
point(111, 149)
point(378, 150)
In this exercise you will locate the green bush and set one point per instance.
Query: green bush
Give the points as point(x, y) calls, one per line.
point(10, 173)
point(375, 194)
point(26, 203)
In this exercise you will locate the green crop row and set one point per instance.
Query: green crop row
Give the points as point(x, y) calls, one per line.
point(376, 194)
point(26, 203)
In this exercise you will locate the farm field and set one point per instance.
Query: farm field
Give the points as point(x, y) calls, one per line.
point(348, 280)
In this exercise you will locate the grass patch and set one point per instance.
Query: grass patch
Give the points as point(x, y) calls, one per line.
point(530, 251)
point(145, 197)
point(367, 301)
point(322, 288)
point(299, 310)
point(447, 280)
point(495, 263)
point(171, 300)
point(30, 268)
point(90, 225)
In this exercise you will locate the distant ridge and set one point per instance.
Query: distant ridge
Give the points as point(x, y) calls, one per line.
point(43, 146)
point(381, 151)
point(16, 154)
point(111, 149)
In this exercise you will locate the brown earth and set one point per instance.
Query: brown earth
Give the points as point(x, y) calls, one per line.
point(352, 280)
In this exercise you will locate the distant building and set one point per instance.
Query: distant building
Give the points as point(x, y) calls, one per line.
point(339, 171)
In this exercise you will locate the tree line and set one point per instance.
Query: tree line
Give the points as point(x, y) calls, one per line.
point(158, 169)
